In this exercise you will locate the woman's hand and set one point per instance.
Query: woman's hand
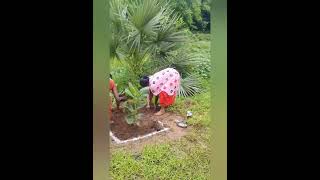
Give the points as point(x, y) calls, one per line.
point(123, 98)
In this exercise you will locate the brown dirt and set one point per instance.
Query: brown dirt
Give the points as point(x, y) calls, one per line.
point(124, 131)
point(168, 119)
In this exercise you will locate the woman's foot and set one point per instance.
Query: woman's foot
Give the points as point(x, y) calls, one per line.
point(161, 112)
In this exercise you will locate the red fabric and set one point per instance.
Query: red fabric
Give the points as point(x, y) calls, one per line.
point(111, 86)
point(165, 100)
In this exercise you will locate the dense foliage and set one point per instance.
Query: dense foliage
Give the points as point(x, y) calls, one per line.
point(136, 100)
point(148, 36)
point(195, 13)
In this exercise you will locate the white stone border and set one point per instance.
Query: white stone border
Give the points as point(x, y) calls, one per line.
point(118, 141)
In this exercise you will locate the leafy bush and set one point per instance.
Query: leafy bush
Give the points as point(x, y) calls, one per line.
point(136, 100)
point(201, 37)
point(121, 75)
point(180, 60)
point(203, 69)
point(195, 13)
point(201, 47)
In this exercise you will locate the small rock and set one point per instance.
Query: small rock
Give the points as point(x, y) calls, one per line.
point(189, 113)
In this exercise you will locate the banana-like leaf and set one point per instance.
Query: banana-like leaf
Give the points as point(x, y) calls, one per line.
point(133, 90)
point(131, 119)
point(128, 93)
point(141, 105)
point(144, 91)
point(130, 108)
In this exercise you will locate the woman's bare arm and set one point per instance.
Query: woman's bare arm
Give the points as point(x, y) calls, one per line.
point(149, 98)
point(116, 94)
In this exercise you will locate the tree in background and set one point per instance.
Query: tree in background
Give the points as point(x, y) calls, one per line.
point(195, 13)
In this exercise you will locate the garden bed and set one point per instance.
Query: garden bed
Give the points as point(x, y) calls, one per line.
point(121, 132)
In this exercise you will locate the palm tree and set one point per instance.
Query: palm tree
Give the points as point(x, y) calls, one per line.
point(142, 29)
point(145, 31)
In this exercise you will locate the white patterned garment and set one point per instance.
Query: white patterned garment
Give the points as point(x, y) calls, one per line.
point(167, 80)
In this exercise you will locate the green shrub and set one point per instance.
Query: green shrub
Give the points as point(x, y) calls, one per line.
point(136, 100)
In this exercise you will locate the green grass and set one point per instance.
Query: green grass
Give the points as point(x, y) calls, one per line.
point(199, 106)
point(188, 158)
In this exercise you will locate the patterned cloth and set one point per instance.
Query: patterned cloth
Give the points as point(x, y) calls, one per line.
point(167, 80)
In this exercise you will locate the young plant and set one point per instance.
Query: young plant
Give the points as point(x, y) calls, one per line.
point(136, 100)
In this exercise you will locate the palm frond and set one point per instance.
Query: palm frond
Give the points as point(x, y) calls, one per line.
point(144, 21)
point(181, 61)
point(189, 86)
